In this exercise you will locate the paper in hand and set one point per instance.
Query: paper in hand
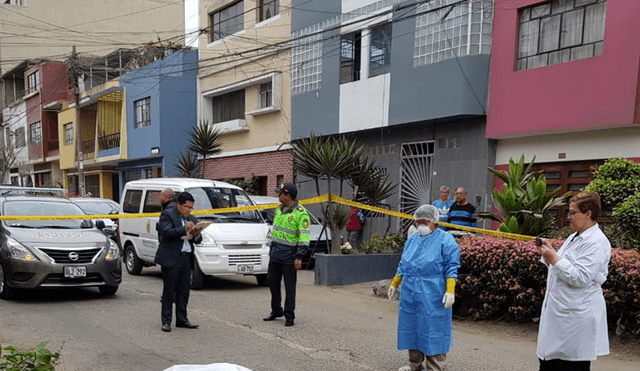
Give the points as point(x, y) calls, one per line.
point(200, 226)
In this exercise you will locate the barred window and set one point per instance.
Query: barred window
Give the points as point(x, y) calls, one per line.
point(560, 31)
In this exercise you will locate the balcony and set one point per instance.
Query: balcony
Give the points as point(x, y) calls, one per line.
point(109, 141)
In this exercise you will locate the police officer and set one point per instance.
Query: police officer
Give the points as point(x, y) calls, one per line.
point(290, 242)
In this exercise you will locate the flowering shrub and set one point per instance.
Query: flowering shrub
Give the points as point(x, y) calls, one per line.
point(622, 292)
point(502, 278)
point(505, 277)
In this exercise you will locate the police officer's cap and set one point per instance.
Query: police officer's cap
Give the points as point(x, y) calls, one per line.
point(288, 188)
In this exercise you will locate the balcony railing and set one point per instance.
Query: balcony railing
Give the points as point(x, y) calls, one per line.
point(109, 141)
point(88, 149)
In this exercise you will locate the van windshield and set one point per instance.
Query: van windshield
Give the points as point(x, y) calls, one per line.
point(218, 198)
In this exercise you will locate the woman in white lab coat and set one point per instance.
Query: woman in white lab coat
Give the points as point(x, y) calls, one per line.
point(573, 322)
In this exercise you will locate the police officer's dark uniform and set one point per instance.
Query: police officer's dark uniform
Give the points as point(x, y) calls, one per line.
point(290, 242)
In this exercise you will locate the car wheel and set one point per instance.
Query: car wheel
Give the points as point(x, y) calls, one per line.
point(108, 290)
point(132, 262)
point(197, 277)
point(6, 292)
point(263, 279)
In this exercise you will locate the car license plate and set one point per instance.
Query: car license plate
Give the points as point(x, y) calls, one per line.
point(244, 268)
point(73, 272)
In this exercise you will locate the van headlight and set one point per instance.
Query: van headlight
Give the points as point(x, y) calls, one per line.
point(114, 252)
point(269, 237)
point(208, 240)
point(19, 251)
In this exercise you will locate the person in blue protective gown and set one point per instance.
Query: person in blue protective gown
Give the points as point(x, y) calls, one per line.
point(428, 271)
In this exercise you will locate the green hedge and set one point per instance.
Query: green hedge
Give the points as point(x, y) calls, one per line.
point(504, 279)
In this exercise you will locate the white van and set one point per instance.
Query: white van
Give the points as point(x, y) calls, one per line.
point(235, 243)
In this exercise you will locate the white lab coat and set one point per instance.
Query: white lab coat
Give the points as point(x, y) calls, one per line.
point(573, 322)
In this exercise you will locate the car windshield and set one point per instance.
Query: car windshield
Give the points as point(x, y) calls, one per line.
point(95, 207)
point(43, 207)
point(218, 198)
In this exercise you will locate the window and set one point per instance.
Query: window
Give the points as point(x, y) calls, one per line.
point(350, 57)
point(34, 81)
point(560, 31)
point(152, 202)
point(306, 60)
point(226, 21)
point(450, 28)
point(267, 9)
point(228, 107)
point(131, 175)
point(20, 138)
point(266, 95)
point(131, 203)
point(14, 2)
point(92, 185)
point(36, 132)
point(143, 114)
point(380, 50)
point(68, 134)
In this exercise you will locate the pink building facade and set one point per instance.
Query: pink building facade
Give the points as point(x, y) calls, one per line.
point(565, 85)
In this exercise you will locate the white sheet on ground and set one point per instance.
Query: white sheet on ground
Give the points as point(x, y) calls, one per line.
point(211, 367)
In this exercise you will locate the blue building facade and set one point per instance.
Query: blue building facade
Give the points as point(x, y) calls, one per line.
point(161, 101)
point(407, 78)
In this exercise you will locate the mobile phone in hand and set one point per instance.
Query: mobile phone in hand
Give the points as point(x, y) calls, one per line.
point(539, 241)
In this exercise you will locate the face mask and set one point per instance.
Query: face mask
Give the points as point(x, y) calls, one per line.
point(424, 230)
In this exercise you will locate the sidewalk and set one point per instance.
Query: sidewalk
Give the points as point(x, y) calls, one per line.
point(511, 341)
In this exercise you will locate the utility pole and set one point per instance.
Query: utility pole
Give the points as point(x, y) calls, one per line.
point(76, 71)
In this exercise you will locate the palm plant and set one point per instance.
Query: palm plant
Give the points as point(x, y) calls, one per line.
point(523, 205)
point(187, 165)
point(339, 159)
point(204, 140)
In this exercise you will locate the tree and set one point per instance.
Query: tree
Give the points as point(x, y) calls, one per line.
point(8, 155)
point(523, 205)
point(205, 141)
point(340, 159)
point(188, 165)
point(617, 182)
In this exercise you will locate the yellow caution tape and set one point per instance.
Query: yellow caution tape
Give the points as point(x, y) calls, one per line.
point(308, 201)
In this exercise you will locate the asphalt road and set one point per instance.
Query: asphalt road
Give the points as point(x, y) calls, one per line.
point(344, 328)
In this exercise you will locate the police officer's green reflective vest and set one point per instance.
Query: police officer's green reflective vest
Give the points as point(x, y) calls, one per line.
point(290, 234)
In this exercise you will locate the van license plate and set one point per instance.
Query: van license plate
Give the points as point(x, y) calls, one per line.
point(73, 272)
point(244, 268)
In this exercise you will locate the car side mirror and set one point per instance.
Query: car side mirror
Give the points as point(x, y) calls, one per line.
point(100, 224)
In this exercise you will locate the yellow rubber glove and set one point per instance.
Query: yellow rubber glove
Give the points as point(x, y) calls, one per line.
point(451, 285)
point(397, 280)
point(393, 287)
point(449, 297)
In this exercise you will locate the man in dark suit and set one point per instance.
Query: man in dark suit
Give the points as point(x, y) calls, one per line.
point(175, 256)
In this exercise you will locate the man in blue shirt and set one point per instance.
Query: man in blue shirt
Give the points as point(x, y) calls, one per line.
point(443, 204)
point(461, 212)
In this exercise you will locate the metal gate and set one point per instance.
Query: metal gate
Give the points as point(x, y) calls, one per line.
point(416, 169)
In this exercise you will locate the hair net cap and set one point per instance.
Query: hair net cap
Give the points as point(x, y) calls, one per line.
point(428, 212)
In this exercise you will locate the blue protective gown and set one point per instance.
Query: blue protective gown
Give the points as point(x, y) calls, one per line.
point(427, 261)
